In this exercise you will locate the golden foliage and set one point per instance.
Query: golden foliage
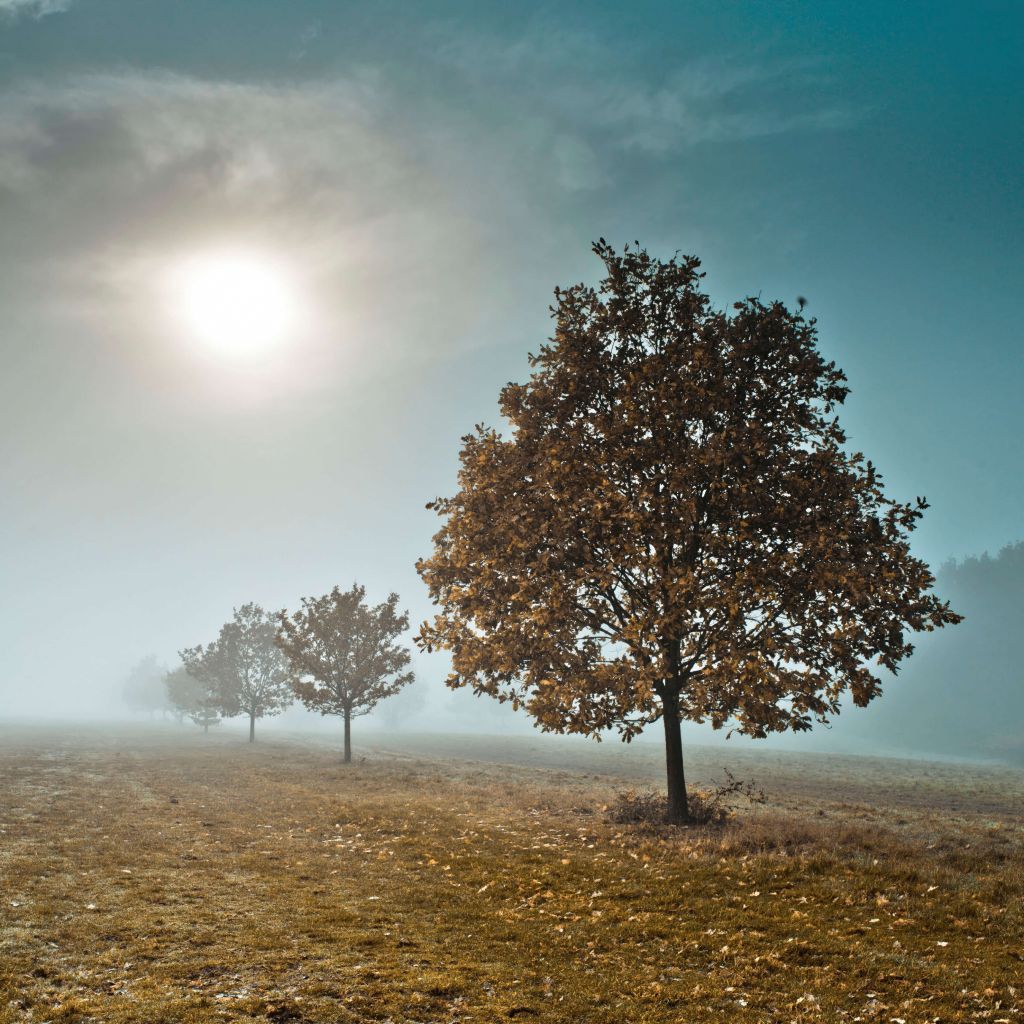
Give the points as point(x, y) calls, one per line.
point(342, 652)
point(674, 525)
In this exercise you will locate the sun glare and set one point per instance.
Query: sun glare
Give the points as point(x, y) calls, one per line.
point(235, 304)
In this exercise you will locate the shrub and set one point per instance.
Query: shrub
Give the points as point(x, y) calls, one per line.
point(708, 807)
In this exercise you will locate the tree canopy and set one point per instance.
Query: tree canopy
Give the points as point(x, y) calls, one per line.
point(250, 672)
point(343, 654)
point(674, 527)
point(193, 697)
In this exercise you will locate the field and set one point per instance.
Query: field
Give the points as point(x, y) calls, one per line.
point(162, 875)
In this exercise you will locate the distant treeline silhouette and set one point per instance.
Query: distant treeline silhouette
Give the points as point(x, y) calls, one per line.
point(962, 693)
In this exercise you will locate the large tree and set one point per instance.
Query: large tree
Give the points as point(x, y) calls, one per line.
point(674, 528)
point(343, 653)
point(251, 673)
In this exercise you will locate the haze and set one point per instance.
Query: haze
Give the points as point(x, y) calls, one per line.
point(423, 176)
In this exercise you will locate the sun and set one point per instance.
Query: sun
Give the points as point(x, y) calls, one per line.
point(235, 304)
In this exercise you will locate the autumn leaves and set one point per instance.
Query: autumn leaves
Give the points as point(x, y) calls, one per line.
point(343, 653)
point(674, 528)
point(336, 654)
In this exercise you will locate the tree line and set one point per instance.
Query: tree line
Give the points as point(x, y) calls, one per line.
point(336, 654)
point(673, 529)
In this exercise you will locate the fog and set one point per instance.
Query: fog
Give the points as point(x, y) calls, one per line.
point(428, 177)
point(959, 696)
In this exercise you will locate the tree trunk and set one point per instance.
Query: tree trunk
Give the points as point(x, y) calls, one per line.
point(678, 808)
point(252, 726)
point(206, 726)
point(348, 737)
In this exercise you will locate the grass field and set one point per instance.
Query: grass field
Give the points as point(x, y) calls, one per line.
point(162, 876)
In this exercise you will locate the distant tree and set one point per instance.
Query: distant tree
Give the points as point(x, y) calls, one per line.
point(207, 714)
point(196, 698)
point(256, 676)
point(674, 528)
point(249, 672)
point(199, 663)
point(199, 699)
point(204, 666)
point(143, 690)
point(182, 692)
point(343, 654)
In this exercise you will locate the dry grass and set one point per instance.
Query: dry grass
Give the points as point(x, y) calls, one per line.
point(182, 878)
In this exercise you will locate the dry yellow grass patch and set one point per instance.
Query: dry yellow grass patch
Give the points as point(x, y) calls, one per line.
point(175, 877)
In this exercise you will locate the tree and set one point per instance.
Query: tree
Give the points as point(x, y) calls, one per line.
point(194, 697)
point(674, 528)
point(249, 671)
point(143, 690)
point(343, 653)
point(254, 670)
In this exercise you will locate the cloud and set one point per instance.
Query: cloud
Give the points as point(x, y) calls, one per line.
point(393, 218)
point(555, 111)
point(614, 97)
point(228, 139)
point(399, 201)
point(32, 8)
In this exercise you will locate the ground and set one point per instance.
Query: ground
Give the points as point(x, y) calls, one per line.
point(161, 875)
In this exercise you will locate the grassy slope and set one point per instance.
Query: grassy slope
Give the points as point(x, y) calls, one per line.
point(201, 880)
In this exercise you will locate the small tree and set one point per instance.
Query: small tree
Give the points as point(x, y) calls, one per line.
point(257, 676)
point(248, 671)
point(190, 696)
point(674, 528)
point(182, 692)
point(206, 715)
point(343, 653)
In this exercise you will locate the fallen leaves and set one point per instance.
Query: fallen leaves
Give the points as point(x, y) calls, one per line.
point(629, 919)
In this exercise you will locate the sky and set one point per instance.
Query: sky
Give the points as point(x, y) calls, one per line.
point(427, 173)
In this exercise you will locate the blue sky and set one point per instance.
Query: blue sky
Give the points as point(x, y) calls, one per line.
point(434, 170)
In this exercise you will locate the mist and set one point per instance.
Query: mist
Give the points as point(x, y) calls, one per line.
point(427, 187)
point(958, 697)
point(511, 512)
